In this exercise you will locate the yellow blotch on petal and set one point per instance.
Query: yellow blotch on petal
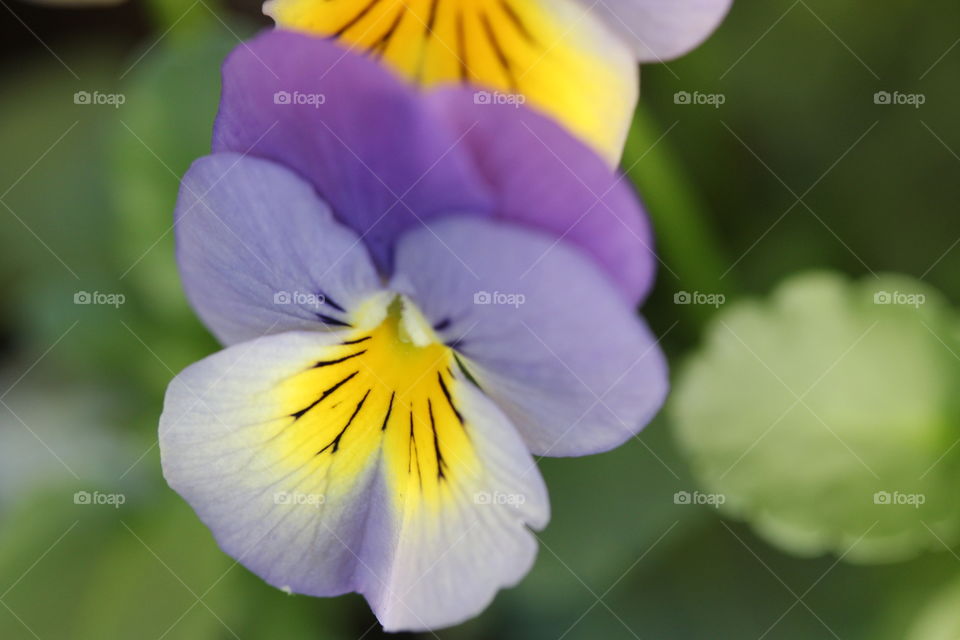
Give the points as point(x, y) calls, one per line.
point(387, 391)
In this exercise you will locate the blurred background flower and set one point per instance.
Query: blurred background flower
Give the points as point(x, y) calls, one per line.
point(796, 138)
point(574, 60)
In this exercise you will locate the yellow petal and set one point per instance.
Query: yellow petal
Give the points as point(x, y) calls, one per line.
point(554, 53)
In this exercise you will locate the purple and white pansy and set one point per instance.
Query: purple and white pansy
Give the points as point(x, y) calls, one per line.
point(417, 295)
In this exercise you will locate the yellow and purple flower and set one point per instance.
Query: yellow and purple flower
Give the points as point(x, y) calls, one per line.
point(416, 299)
point(574, 59)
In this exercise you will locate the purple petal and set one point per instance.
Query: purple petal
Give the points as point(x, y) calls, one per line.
point(349, 126)
point(260, 253)
point(541, 329)
point(546, 179)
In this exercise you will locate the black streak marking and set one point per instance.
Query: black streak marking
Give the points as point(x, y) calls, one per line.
point(432, 19)
point(441, 463)
point(327, 300)
point(333, 322)
point(379, 48)
point(413, 450)
point(446, 394)
point(336, 441)
point(498, 51)
point(517, 22)
point(327, 363)
point(466, 372)
point(357, 341)
point(323, 396)
point(462, 49)
point(355, 19)
point(389, 411)
point(443, 324)
point(427, 34)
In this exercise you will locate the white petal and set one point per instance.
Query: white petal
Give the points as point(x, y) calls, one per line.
point(330, 463)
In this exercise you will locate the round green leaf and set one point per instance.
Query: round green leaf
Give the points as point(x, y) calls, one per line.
point(828, 416)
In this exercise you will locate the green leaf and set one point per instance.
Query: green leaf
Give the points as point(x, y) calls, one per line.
point(693, 257)
point(827, 416)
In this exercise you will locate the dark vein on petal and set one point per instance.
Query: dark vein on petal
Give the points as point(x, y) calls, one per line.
point(441, 463)
point(462, 49)
point(386, 419)
point(327, 363)
point(355, 19)
point(323, 396)
point(413, 450)
point(336, 441)
point(499, 52)
point(512, 15)
point(325, 319)
point(379, 47)
point(446, 394)
point(327, 300)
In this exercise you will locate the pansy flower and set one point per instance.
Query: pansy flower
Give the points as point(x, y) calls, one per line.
point(406, 329)
point(573, 59)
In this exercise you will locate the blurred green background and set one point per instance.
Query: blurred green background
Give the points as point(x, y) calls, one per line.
point(799, 169)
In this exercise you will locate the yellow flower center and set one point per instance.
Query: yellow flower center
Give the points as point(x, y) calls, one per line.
point(387, 390)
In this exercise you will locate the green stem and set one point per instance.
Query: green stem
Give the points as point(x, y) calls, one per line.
point(180, 16)
point(692, 258)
